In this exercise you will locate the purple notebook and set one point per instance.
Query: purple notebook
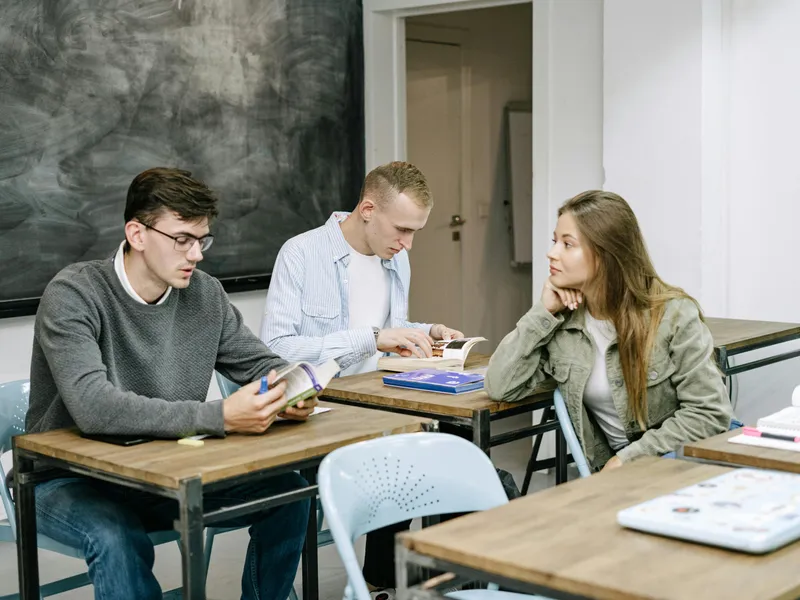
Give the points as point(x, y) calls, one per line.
point(433, 380)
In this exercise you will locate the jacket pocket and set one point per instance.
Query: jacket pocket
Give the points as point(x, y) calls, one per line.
point(558, 371)
point(661, 397)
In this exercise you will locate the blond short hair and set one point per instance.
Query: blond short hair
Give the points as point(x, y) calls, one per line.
point(384, 183)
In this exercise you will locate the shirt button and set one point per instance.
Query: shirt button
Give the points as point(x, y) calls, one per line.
point(545, 322)
point(618, 382)
point(345, 280)
point(653, 375)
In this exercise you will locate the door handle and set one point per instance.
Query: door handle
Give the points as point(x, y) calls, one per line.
point(456, 221)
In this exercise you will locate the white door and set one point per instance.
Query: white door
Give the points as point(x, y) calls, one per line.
point(434, 111)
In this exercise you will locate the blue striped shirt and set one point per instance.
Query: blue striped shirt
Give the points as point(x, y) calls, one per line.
point(307, 312)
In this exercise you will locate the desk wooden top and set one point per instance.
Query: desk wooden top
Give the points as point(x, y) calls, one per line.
point(567, 538)
point(166, 463)
point(735, 334)
point(368, 389)
point(719, 449)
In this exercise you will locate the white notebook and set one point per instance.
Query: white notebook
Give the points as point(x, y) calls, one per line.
point(786, 420)
point(783, 421)
point(749, 440)
point(750, 510)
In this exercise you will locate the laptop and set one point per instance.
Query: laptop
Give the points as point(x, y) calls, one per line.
point(750, 510)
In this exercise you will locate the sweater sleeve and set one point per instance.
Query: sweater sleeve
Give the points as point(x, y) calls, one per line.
point(242, 357)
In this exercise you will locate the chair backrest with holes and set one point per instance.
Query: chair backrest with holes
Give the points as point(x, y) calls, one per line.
point(371, 484)
point(383, 481)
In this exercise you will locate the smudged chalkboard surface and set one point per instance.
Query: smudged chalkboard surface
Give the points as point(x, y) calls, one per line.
point(262, 99)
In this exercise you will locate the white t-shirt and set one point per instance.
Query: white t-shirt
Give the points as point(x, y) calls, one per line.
point(369, 295)
point(597, 394)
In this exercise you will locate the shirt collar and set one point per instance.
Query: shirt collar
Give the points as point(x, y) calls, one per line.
point(119, 267)
point(339, 245)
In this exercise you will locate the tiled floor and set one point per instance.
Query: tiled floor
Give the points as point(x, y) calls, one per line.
point(226, 566)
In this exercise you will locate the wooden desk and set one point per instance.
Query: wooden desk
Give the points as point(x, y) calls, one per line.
point(184, 473)
point(718, 450)
point(734, 336)
point(473, 411)
point(564, 542)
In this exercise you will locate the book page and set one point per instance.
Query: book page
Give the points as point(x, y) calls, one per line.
point(447, 354)
point(325, 372)
point(299, 382)
point(457, 348)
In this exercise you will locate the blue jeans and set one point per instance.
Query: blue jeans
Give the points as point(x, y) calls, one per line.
point(110, 523)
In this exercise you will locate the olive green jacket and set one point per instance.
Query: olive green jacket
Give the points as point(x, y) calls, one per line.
point(686, 396)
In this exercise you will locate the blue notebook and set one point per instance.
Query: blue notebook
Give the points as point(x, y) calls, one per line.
point(433, 380)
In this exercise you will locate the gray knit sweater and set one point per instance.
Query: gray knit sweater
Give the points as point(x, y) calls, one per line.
point(109, 364)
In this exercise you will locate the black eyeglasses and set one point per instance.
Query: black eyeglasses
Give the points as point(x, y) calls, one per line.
point(184, 243)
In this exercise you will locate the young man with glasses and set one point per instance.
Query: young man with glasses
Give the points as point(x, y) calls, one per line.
point(126, 345)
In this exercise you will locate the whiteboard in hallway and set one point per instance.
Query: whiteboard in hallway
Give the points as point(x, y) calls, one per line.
point(520, 179)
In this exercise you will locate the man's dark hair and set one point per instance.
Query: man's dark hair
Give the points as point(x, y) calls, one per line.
point(156, 191)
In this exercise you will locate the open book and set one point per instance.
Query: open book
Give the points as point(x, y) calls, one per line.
point(449, 355)
point(304, 380)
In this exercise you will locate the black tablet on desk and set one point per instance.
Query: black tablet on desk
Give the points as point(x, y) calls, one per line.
point(119, 440)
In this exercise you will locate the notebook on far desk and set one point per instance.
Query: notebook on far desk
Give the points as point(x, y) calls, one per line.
point(747, 440)
point(749, 510)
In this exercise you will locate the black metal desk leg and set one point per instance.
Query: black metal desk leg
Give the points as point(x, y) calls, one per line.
point(561, 457)
point(310, 568)
point(547, 414)
point(27, 553)
point(190, 527)
point(482, 430)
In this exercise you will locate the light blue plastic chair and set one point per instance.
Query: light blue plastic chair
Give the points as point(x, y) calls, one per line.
point(372, 484)
point(13, 407)
point(573, 445)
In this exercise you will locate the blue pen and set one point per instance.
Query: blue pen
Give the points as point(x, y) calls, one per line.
point(264, 385)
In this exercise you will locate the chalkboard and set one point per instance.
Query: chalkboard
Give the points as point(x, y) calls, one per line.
point(261, 99)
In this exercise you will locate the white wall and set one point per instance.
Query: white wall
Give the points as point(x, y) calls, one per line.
point(764, 182)
point(652, 126)
point(567, 113)
point(16, 338)
point(700, 135)
point(764, 171)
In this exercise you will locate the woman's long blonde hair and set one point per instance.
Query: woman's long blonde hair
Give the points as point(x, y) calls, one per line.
point(624, 286)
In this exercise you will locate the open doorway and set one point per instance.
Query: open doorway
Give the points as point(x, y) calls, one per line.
point(462, 71)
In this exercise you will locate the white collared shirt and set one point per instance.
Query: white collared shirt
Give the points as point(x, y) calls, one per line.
point(119, 267)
